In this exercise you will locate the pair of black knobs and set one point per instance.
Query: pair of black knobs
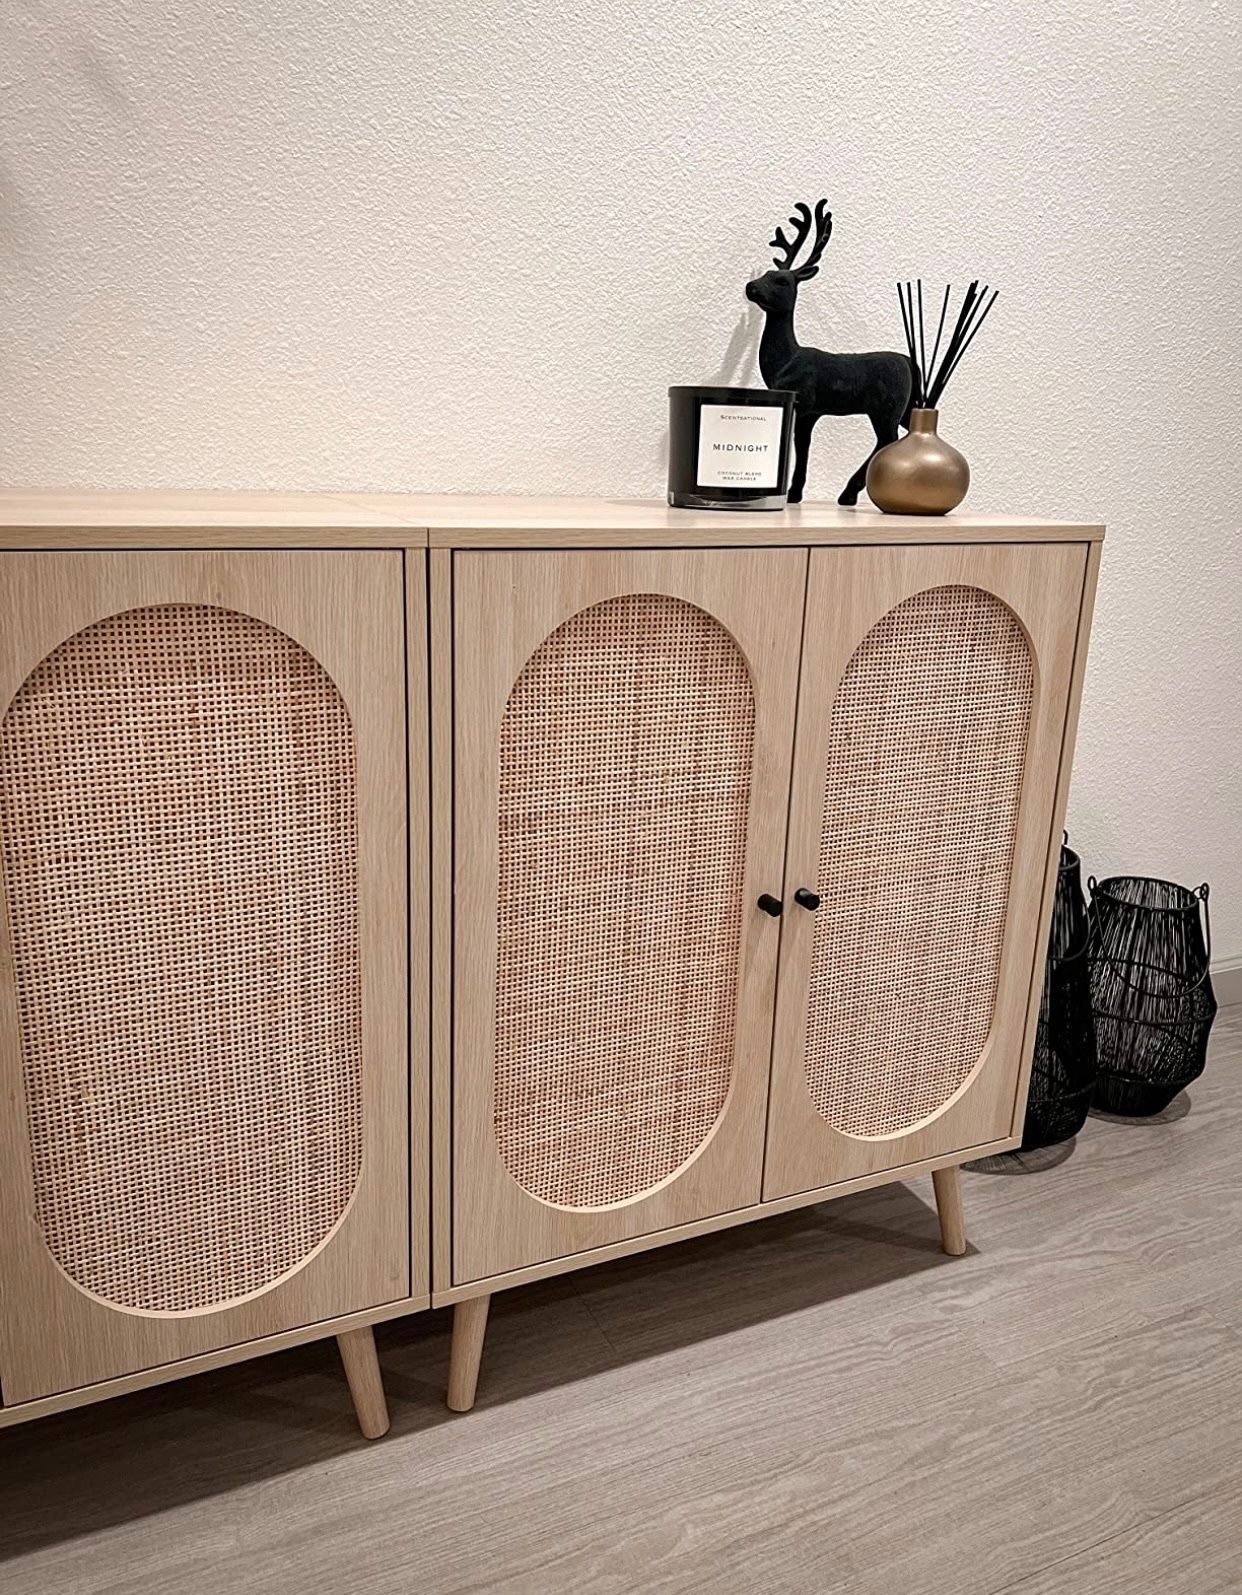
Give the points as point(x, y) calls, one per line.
point(803, 897)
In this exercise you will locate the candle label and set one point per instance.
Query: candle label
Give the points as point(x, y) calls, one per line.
point(739, 445)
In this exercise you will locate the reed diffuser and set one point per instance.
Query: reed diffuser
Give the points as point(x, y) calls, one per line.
point(921, 474)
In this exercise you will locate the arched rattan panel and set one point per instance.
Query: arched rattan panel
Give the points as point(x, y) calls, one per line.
point(925, 764)
point(625, 768)
point(177, 812)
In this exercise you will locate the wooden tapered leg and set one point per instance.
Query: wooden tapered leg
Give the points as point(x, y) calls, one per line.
point(948, 1184)
point(362, 1371)
point(469, 1328)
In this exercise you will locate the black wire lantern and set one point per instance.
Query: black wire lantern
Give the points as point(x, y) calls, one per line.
point(1063, 1071)
point(1150, 991)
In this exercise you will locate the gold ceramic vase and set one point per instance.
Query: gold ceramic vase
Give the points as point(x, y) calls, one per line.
point(920, 474)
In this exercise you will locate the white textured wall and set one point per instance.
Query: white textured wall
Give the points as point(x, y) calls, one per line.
point(465, 246)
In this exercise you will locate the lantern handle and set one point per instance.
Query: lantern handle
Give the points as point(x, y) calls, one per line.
point(1081, 952)
point(1088, 939)
point(1072, 958)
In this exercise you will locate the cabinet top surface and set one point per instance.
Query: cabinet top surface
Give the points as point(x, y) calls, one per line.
point(411, 520)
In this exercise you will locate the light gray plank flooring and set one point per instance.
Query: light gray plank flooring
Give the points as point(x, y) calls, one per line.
point(822, 1404)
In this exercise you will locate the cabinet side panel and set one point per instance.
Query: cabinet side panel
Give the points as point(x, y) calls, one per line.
point(1060, 802)
point(440, 636)
point(418, 772)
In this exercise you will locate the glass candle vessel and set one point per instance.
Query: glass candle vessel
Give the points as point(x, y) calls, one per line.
point(728, 448)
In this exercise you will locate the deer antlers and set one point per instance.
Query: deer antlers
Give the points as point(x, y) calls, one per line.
point(801, 221)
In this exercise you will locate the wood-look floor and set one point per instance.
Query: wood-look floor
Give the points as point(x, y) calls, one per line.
point(821, 1403)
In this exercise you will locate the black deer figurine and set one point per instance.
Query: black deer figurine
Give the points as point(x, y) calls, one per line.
point(875, 385)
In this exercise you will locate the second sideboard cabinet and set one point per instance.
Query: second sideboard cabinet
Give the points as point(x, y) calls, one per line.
point(386, 927)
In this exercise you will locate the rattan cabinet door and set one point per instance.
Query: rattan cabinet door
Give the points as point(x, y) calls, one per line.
point(624, 727)
point(204, 1123)
point(931, 720)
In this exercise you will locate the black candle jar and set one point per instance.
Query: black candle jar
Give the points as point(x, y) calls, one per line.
point(728, 448)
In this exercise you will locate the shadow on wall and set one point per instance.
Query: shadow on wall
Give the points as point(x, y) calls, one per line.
point(739, 368)
point(740, 365)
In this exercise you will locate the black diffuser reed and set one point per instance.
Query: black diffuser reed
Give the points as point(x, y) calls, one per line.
point(930, 379)
point(922, 473)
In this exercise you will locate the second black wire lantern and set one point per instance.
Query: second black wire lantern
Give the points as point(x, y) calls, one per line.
point(1064, 1068)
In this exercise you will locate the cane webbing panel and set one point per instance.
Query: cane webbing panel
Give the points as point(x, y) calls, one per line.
point(925, 763)
point(177, 810)
point(625, 767)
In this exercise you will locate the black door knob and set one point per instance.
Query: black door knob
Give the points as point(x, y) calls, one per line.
point(771, 905)
point(807, 899)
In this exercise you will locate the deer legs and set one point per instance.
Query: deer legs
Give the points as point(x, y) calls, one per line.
point(885, 433)
point(804, 425)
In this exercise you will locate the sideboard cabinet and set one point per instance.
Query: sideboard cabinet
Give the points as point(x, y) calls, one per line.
point(408, 898)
